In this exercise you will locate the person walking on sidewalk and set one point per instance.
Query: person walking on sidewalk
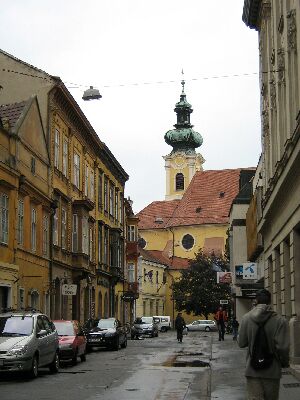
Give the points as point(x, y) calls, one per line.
point(179, 326)
point(235, 328)
point(264, 383)
point(221, 318)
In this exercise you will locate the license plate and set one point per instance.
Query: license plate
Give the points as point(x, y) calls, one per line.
point(96, 340)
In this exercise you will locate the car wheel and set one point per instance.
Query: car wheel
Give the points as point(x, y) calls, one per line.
point(132, 337)
point(83, 357)
point(74, 359)
point(54, 366)
point(163, 329)
point(207, 329)
point(34, 370)
point(187, 329)
point(124, 344)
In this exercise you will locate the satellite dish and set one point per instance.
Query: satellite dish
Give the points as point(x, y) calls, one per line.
point(91, 94)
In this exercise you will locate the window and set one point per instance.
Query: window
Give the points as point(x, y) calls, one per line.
point(157, 277)
point(33, 229)
point(86, 182)
point(91, 242)
point(55, 227)
point(35, 300)
point(65, 158)
point(179, 181)
point(92, 186)
point(76, 170)
point(3, 218)
point(100, 237)
point(116, 205)
point(20, 229)
point(121, 208)
point(188, 241)
point(56, 148)
point(32, 165)
point(85, 235)
point(45, 234)
point(131, 233)
point(100, 184)
point(105, 255)
point(131, 273)
point(75, 233)
point(105, 194)
point(111, 199)
point(145, 274)
point(63, 228)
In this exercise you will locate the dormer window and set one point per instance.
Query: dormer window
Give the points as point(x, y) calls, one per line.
point(179, 181)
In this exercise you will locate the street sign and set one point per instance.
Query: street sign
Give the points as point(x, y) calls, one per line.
point(223, 301)
point(69, 290)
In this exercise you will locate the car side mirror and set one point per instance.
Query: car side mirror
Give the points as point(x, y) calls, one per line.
point(41, 333)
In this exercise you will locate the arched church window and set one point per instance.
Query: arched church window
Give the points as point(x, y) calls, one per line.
point(179, 181)
point(188, 241)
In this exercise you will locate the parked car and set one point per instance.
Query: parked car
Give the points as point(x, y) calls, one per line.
point(163, 322)
point(72, 341)
point(144, 326)
point(28, 340)
point(105, 332)
point(202, 325)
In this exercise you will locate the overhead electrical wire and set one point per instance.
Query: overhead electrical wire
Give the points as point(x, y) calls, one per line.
point(73, 85)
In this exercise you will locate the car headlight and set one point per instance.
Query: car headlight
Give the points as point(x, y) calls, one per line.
point(18, 350)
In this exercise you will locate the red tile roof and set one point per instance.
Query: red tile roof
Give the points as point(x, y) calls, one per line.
point(12, 112)
point(160, 258)
point(157, 214)
point(207, 200)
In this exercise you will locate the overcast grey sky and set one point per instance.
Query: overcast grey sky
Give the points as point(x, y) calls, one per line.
point(124, 48)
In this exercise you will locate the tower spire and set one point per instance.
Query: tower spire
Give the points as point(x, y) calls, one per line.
point(183, 137)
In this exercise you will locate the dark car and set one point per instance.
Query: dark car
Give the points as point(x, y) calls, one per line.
point(144, 326)
point(72, 342)
point(105, 332)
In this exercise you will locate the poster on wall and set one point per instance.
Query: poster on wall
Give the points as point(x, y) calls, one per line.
point(250, 271)
point(239, 271)
point(224, 277)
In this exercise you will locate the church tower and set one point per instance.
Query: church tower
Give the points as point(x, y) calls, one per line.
point(183, 161)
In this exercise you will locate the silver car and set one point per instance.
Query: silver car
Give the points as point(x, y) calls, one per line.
point(202, 325)
point(28, 340)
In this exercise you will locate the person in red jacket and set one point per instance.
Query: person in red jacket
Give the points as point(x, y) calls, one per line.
point(221, 318)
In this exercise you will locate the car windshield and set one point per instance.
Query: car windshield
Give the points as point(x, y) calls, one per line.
point(64, 328)
point(16, 326)
point(147, 320)
point(156, 320)
point(106, 323)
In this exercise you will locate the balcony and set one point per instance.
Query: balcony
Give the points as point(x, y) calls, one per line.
point(132, 249)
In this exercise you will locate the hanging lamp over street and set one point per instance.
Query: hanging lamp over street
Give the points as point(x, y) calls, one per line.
point(91, 94)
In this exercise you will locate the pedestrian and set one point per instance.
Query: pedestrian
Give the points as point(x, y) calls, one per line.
point(264, 383)
point(235, 328)
point(221, 318)
point(179, 326)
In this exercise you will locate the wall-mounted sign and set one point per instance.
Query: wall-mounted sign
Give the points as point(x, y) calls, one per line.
point(223, 301)
point(69, 290)
point(224, 277)
point(239, 271)
point(250, 271)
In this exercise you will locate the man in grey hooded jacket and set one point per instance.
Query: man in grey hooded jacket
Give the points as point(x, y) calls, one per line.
point(264, 383)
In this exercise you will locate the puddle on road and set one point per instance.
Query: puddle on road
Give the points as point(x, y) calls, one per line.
point(174, 362)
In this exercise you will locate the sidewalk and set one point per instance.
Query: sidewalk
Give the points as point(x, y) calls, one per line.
point(228, 380)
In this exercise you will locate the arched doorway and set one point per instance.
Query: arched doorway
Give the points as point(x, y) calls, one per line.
point(100, 304)
point(105, 305)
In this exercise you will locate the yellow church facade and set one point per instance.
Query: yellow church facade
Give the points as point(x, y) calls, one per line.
point(195, 212)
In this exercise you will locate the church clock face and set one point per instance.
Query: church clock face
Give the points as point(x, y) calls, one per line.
point(179, 161)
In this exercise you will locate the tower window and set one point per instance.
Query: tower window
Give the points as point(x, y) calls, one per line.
point(179, 181)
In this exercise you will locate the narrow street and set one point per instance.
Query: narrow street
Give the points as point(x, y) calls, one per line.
point(149, 369)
